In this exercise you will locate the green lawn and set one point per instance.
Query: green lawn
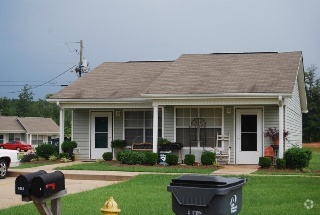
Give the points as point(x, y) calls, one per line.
point(147, 194)
point(112, 166)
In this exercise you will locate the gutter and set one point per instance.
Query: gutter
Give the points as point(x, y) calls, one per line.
point(222, 95)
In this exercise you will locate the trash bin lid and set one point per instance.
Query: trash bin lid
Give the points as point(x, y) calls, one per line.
point(206, 181)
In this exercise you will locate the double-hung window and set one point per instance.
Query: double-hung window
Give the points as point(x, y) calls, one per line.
point(202, 136)
point(138, 126)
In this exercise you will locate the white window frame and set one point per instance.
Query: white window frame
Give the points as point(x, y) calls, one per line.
point(198, 107)
point(144, 124)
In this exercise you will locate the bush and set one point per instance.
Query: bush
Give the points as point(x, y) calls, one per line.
point(53, 158)
point(68, 145)
point(172, 159)
point(118, 143)
point(28, 157)
point(281, 163)
point(208, 158)
point(132, 157)
point(64, 155)
point(107, 156)
point(265, 162)
point(297, 158)
point(121, 155)
point(150, 158)
point(46, 150)
point(189, 159)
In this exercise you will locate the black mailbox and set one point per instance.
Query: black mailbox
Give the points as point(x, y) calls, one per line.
point(47, 184)
point(23, 182)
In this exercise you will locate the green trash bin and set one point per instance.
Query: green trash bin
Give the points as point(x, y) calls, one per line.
point(204, 195)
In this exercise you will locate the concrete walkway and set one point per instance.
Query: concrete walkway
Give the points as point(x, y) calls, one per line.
point(236, 170)
point(83, 180)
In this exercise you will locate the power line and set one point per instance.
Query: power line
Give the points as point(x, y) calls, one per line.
point(40, 85)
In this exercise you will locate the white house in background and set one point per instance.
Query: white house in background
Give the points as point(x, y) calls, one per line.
point(34, 130)
point(241, 94)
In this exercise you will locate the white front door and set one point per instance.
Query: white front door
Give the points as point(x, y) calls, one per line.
point(248, 136)
point(101, 133)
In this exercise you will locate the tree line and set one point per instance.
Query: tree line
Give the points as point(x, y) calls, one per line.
point(25, 106)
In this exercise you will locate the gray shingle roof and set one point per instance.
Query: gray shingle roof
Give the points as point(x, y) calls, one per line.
point(189, 74)
point(39, 125)
point(33, 125)
point(10, 124)
point(114, 81)
point(229, 73)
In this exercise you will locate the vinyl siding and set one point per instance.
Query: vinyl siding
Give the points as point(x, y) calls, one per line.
point(118, 125)
point(81, 132)
point(229, 129)
point(271, 120)
point(294, 119)
point(168, 126)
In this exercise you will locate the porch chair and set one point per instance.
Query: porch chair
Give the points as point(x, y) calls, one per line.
point(219, 148)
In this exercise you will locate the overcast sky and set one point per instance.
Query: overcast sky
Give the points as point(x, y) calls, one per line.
point(40, 39)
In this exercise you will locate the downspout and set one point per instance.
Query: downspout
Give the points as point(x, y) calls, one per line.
point(280, 127)
point(61, 126)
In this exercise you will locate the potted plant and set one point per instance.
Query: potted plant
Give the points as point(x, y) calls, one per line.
point(164, 144)
point(67, 147)
point(273, 134)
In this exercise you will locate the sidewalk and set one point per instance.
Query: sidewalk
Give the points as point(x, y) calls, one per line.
point(236, 170)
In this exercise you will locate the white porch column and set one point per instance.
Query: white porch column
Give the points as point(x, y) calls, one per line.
point(61, 125)
point(280, 127)
point(155, 128)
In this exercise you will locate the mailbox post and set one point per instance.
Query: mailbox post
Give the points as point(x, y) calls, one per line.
point(41, 187)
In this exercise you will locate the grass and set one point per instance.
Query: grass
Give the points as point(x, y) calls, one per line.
point(114, 166)
point(25, 165)
point(147, 194)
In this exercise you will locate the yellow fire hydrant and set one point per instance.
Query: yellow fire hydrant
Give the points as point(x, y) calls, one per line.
point(110, 207)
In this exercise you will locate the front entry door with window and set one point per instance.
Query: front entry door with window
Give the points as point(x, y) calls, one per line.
point(101, 134)
point(248, 136)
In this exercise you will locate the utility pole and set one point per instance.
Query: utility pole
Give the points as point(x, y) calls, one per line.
point(80, 62)
point(83, 64)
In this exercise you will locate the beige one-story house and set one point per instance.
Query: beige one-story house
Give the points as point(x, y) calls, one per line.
point(190, 100)
point(34, 130)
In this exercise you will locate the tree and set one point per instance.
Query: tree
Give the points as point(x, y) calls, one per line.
point(25, 102)
point(311, 121)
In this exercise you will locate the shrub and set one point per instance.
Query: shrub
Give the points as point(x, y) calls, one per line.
point(121, 155)
point(297, 158)
point(208, 158)
point(28, 157)
point(172, 159)
point(189, 159)
point(281, 163)
point(150, 158)
point(68, 145)
point(265, 162)
point(118, 143)
point(64, 155)
point(53, 158)
point(46, 150)
point(131, 157)
point(107, 156)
